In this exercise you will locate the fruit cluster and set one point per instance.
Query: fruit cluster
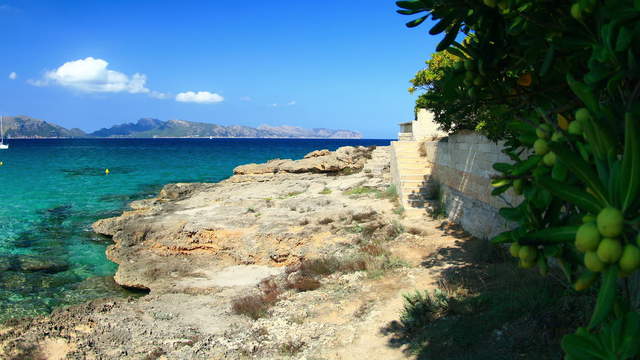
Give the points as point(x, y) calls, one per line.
point(602, 243)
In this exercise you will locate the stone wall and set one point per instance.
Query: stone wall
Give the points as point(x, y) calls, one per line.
point(462, 168)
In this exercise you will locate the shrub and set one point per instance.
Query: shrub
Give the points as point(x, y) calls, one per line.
point(304, 283)
point(256, 306)
point(558, 82)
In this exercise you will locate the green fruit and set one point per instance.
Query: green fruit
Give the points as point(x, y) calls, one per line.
point(472, 92)
point(543, 131)
point(541, 147)
point(517, 186)
point(583, 115)
point(503, 5)
point(527, 264)
point(610, 222)
point(576, 12)
point(557, 136)
point(575, 128)
point(528, 253)
point(630, 259)
point(549, 159)
point(588, 218)
point(469, 65)
point(609, 251)
point(593, 262)
point(587, 237)
point(467, 82)
point(514, 249)
point(585, 281)
point(490, 3)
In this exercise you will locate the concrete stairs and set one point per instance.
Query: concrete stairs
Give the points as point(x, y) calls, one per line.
point(412, 176)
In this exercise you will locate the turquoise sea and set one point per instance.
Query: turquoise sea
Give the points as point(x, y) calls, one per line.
point(52, 190)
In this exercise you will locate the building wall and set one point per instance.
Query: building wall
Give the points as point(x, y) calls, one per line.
point(462, 168)
point(424, 127)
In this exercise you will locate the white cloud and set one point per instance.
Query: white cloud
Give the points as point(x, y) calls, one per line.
point(93, 75)
point(159, 95)
point(13, 75)
point(290, 103)
point(201, 97)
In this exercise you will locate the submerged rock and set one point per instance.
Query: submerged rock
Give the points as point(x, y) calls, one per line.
point(30, 263)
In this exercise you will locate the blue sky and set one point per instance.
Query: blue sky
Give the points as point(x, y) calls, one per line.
point(92, 64)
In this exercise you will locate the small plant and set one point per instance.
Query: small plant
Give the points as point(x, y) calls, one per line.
point(396, 229)
point(251, 210)
point(361, 191)
point(291, 347)
point(355, 229)
point(325, 191)
point(421, 308)
point(398, 210)
point(291, 194)
point(390, 193)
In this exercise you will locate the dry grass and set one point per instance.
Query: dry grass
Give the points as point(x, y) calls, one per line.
point(304, 283)
point(257, 306)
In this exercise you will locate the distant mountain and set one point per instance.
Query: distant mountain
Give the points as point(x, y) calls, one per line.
point(145, 128)
point(144, 124)
point(28, 127)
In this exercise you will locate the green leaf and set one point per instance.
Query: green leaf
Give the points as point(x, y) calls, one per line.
point(450, 37)
point(416, 22)
point(499, 190)
point(555, 235)
point(502, 167)
point(503, 238)
point(577, 166)
point(512, 214)
point(606, 296)
point(572, 194)
point(630, 188)
point(410, 5)
point(582, 347)
point(548, 59)
point(630, 336)
point(625, 36)
point(585, 94)
point(409, 12)
point(521, 128)
point(456, 52)
point(441, 26)
point(559, 171)
point(524, 166)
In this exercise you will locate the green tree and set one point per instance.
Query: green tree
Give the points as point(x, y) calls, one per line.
point(559, 82)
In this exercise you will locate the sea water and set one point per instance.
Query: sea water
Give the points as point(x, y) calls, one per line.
point(51, 191)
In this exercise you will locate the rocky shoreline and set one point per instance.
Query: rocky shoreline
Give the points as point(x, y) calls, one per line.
point(322, 240)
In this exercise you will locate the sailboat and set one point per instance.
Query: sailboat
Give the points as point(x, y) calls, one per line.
point(3, 146)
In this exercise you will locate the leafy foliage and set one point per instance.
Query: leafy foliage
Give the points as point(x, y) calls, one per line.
point(559, 82)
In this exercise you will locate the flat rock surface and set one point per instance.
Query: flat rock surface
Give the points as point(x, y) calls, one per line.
point(198, 248)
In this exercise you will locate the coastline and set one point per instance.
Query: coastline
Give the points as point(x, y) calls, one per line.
point(197, 247)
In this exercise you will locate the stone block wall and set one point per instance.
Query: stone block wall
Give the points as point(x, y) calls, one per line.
point(462, 168)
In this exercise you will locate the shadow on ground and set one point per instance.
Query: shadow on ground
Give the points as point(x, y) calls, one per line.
point(486, 307)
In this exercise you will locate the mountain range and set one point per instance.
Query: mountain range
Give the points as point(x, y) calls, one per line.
point(27, 127)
